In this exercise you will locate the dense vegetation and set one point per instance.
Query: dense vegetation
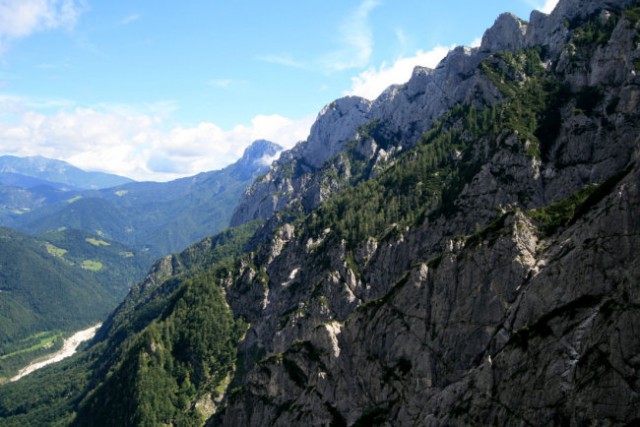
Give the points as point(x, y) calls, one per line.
point(46, 397)
point(178, 359)
point(53, 285)
point(117, 267)
point(166, 347)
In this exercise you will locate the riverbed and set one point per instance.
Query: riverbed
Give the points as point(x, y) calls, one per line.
point(69, 347)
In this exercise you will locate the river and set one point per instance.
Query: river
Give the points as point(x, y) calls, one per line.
point(69, 347)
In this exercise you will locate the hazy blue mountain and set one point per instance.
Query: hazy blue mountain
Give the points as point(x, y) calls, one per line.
point(11, 179)
point(16, 201)
point(58, 171)
point(158, 217)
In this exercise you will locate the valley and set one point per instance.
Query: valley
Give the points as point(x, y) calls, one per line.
point(101, 242)
point(69, 347)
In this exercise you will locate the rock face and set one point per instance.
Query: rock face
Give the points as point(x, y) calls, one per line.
point(408, 110)
point(511, 326)
point(508, 33)
point(336, 124)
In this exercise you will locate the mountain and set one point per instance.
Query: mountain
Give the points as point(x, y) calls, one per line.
point(57, 171)
point(462, 250)
point(16, 201)
point(10, 179)
point(59, 283)
point(157, 217)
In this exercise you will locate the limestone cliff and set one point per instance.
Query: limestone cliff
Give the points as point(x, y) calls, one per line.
point(479, 314)
point(402, 113)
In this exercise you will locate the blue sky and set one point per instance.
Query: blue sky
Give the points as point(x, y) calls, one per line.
point(157, 89)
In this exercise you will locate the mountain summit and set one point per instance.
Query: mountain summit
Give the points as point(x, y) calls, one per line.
point(260, 151)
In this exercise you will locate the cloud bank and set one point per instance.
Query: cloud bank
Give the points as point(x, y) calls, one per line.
point(21, 18)
point(545, 6)
point(135, 141)
point(372, 82)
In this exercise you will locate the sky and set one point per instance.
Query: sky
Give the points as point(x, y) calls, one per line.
point(161, 89)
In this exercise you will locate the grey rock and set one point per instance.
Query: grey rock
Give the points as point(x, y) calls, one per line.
point(507, 33)
point(336, 124)
point(478, 318)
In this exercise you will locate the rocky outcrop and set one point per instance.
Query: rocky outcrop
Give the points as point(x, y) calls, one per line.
point(336, 124)
point(507, 33)
point(259, 153)
point(485, 275)
point(436, 328)
point(404, 112)
point(502, 330)
point(480, 317)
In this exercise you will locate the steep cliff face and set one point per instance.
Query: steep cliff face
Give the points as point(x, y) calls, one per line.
point(513, 298)
point(402, 113)
point(505, 327)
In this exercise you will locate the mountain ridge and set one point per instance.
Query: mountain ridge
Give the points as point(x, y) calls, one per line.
point(58, 171)
point(406, 110)
point(158, 217)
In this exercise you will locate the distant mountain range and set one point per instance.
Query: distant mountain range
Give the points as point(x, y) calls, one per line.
point(77, 252)
point(86, 248)
point(157, 217)
point(20, 171)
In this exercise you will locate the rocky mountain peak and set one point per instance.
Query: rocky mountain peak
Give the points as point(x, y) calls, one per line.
point(507, 33)
point(553, 30)
point(335, 125)
point(407, 111)
point(260, 150)
point(572, 9)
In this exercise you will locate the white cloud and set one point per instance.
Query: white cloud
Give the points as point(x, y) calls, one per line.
point(355, 41)
point(356, 38)
point(372, 82)
point(134, 141)
point(221, 83)
point(130, 19)
point(20, 18)
point(403, 40)
point(545, 6)
point(549, 6)
point(15, 105)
